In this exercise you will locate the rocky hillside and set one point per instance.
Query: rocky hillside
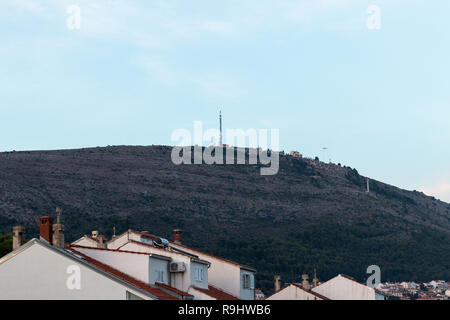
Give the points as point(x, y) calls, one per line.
point(309, 215)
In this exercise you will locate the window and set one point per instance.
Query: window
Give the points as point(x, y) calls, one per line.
point(199, 274)
point(248, 281)
point(160, 276)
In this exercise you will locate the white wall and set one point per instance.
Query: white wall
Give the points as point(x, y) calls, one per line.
point(135, 265)
point(342, 288)
point(86, 242)
point(221, 274)
point(122, 239)
point(292, 292)
point(179, 280)
point(40, 273)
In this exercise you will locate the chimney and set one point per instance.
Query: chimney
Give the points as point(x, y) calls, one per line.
point(177, 236)
point(277, 286)
point(94, 234)
point(305, 282)
point(101, 241)
point(114, 233)
point(18, 237)
point(45, 229)
point(315, 280)
point(58, 230)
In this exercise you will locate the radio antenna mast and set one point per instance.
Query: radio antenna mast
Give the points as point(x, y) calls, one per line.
point(220, 123)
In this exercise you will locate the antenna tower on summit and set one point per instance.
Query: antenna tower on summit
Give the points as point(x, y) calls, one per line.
point(220, 123)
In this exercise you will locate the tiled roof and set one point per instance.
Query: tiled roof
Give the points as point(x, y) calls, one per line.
point(146, 234)
point(213, 256)
point(142, 233)
point(151, 236)
point(174, 290)
point(86, 237)
point(118, 250)
point(160, 294)
point(216, 293)
point(310, 292)
point(192, 257)
point(153, 247)
point(348, 277)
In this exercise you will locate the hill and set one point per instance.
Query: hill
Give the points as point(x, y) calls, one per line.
point(309, 215)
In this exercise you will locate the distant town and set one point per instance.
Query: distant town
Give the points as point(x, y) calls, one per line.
point(433, 290)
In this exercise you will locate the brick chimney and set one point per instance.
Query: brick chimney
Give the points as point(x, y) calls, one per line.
point(18, 237)
point(46, 229)
point(177, 236)
point(277, 286)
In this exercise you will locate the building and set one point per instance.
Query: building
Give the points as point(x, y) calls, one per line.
point(240, 279)
point(238, 282)
point(259, 295)
point(133, 265)
point(295, 291)
point(39, 270)
point(295, 154)
point(343, 287)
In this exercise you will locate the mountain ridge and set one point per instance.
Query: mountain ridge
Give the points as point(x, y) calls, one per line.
point(309, 215)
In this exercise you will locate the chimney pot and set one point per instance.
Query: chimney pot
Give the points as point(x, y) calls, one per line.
point(18, 236)
point(46, 229)
point(177, 236)
point(94, 234)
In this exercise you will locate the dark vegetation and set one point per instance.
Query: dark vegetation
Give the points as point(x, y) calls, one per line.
point(310, 215)
point(5, 244)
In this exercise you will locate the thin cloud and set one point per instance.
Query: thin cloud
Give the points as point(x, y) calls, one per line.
point(440, 190)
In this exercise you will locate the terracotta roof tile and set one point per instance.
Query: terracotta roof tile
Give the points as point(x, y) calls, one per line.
point(191, 256)
point(216, 293)
point(208, 254)
point(118, 250)
point(174, 290)
point(153, 247)
point(149, 235)
point(160, 294)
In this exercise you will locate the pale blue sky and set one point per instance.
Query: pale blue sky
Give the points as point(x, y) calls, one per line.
point(137, 70)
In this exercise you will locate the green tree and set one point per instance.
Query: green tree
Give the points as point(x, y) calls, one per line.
point(5, 244)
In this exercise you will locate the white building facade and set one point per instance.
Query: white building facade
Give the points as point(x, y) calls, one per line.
point(38, 270)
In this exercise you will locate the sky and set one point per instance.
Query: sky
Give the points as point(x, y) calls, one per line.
point(135, 71)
